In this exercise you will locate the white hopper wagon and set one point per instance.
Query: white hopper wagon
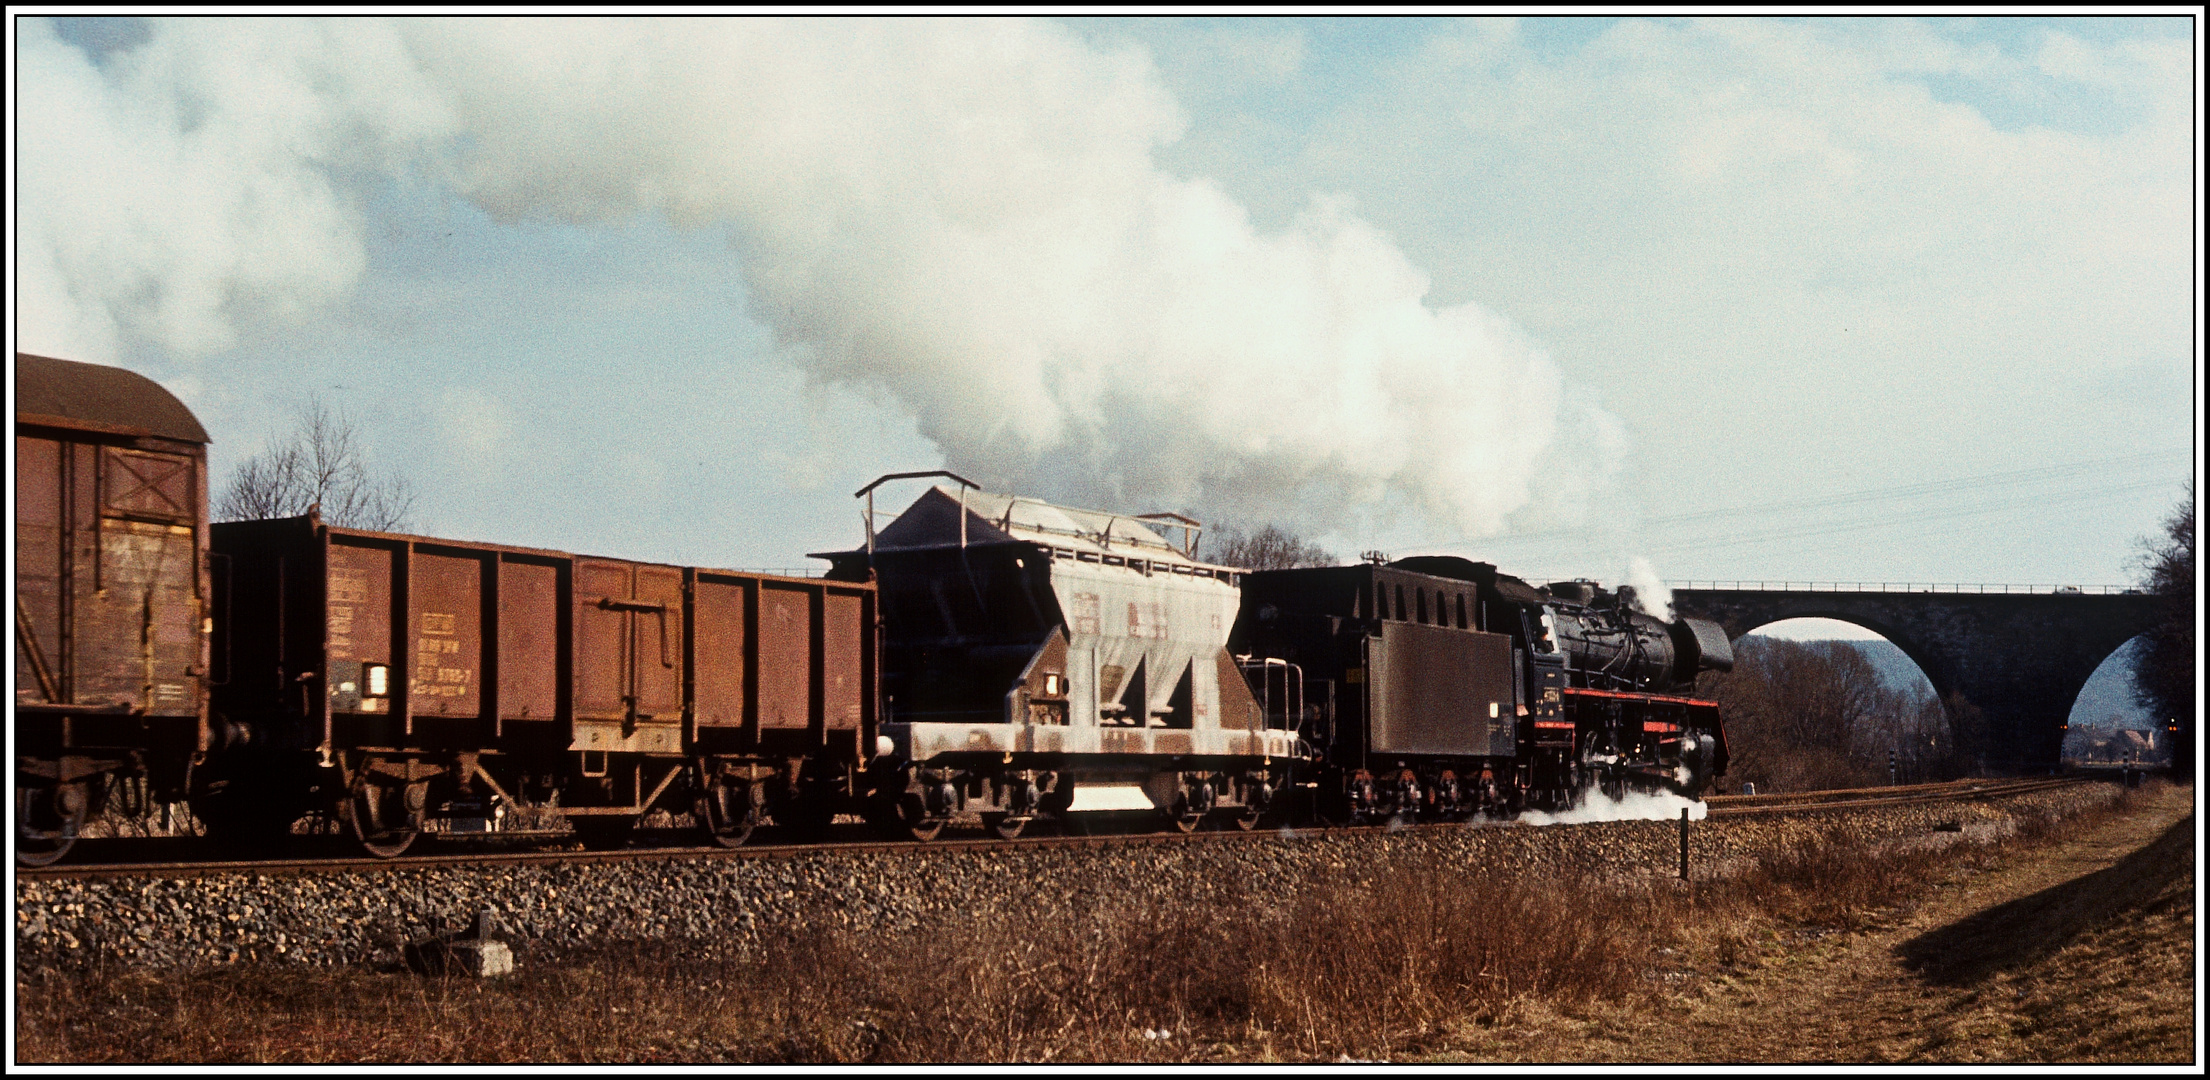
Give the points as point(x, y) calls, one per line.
point(1042, 660)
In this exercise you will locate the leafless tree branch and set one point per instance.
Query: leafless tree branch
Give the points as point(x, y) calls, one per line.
point(1269, 548)
point(320, 462)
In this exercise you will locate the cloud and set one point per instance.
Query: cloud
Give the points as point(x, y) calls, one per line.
point(966, 215)
point(474, 423)
point(1758, 233)
point(196, 178)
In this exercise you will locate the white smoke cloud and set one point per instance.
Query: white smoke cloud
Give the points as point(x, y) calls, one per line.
point(196, 180)
point(964, 214)
point(1651, 597)
point(1634, 806)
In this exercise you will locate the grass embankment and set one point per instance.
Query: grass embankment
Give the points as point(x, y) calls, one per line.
point(2098, 968)
point(1413, 962)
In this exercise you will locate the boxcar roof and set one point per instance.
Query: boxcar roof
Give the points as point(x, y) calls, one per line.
point(66, 393)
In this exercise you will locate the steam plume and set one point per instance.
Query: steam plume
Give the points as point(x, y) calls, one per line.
point(1634, 806)
point(1651, 597)
point(965, 214)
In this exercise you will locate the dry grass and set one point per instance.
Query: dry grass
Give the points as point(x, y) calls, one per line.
point(1404, 961)
point(2097, 969)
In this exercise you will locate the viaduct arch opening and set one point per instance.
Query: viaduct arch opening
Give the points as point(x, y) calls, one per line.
point(2021, 658)
point(1856, 709)
point(2108, 722)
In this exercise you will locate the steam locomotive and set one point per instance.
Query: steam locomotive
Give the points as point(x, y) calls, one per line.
point(1436, 687)
point(982, 656)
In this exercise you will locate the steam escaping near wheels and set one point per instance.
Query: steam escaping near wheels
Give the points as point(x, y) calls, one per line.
point(1634, 806)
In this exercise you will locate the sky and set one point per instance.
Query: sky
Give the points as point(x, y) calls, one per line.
point(1860, 300)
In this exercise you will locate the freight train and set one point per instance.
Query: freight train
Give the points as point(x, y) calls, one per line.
point(980, 657)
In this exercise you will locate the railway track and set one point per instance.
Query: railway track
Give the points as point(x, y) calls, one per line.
point(1726, 806)
point(162, 859)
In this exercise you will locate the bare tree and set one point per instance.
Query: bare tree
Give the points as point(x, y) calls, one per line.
point(1269, 548)
point(319, 463)
point(1803, 715)
point(2164, 673)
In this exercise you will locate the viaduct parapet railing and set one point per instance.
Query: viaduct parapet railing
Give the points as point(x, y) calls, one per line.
point(1907, 587)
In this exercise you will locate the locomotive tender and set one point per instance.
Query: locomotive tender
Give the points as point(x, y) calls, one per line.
point(1027, 661)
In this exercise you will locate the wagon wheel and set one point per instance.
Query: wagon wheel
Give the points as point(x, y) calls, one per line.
point(1406, 808)
point(730, 812)
point(1005, 826)
point(47, 822)
point(914, 815)
point(1183, 817)
point(1250, 814)
point(386, 818)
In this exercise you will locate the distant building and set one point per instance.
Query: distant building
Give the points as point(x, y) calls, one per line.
point(2093, 745)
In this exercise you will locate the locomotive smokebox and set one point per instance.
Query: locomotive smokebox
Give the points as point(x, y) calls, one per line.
point(1701, 645)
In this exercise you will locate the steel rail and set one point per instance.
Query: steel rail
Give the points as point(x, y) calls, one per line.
point(1734, 806)
point(1882, 797)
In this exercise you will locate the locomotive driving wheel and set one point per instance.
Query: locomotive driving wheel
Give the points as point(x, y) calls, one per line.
point(386, 818)
point(48, 819)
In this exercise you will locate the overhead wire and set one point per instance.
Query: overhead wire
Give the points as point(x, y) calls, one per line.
point(1920, 522)
point(1957, 485)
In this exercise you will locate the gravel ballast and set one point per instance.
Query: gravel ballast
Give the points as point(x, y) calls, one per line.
point(363, 917)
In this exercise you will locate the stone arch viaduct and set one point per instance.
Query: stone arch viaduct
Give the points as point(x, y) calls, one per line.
point(2020, 657)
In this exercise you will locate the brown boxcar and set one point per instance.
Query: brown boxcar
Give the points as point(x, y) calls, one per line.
point(401, 678)
point(110, 596)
